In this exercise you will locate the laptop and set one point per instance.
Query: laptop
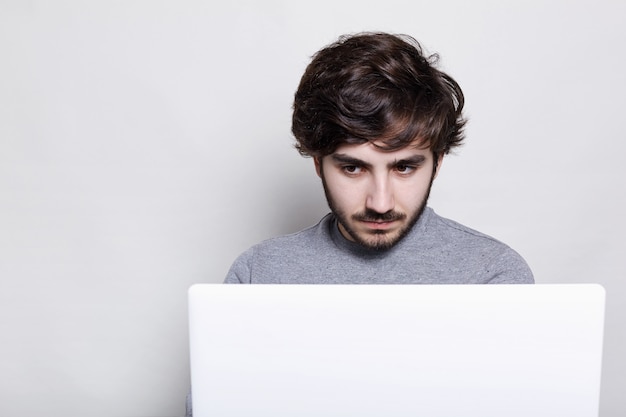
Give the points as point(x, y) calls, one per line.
point(396, 350)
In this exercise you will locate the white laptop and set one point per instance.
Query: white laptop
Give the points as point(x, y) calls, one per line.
point(396, 350)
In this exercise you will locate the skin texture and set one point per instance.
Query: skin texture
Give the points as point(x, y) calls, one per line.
point(377, 195)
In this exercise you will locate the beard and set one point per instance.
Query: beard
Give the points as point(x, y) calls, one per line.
point(378, 240)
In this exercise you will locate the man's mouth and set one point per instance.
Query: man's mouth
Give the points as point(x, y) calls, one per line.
point(378, 224)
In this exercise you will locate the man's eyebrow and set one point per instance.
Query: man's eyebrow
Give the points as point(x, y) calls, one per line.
point(411, 160)
point(349, 160)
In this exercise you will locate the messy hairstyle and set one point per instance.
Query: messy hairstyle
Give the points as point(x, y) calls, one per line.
point(378, 88)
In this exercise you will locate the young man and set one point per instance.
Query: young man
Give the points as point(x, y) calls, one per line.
point(377, 118)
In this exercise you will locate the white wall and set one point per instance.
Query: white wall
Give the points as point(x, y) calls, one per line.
point(145, 144)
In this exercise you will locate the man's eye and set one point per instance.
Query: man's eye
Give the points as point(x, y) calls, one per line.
point(351, 169)
point(405, 169)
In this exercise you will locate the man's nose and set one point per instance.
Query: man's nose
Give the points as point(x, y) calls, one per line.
point(380, 196)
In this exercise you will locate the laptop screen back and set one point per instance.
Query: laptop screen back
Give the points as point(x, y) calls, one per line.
point(384, 350)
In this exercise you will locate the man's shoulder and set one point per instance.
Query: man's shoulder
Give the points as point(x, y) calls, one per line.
point(446, 229)
point(473, 249)
point(286, 254)
point(307, 237)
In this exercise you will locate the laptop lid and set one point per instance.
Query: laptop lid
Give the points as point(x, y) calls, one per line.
point(385, 350)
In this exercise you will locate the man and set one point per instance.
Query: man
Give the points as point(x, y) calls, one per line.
point(378, 118)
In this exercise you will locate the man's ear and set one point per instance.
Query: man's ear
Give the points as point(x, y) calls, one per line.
point(318, 165)
point(439, 162)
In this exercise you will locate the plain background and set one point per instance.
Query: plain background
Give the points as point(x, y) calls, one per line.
point(145, 144)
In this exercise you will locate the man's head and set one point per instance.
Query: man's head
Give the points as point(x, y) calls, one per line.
point(377, 117)
point(376, 87)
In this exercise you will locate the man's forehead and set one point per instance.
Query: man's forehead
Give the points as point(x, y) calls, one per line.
point(378, 149)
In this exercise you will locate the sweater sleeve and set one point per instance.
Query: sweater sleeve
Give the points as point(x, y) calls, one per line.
point(241, 270)
point(509, 268)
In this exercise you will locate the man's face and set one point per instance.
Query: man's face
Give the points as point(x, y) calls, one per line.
point(376, 195)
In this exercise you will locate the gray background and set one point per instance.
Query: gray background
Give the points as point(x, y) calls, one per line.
point(145, 144)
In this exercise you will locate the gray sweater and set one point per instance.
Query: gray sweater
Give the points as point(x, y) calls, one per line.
point(436, 251)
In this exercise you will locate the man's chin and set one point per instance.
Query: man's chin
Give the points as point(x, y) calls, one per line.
point(378, 240)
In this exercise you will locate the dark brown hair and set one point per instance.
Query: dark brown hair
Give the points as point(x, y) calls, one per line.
point(376, 87)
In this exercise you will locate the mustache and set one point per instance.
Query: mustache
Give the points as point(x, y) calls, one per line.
point(374, 216)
